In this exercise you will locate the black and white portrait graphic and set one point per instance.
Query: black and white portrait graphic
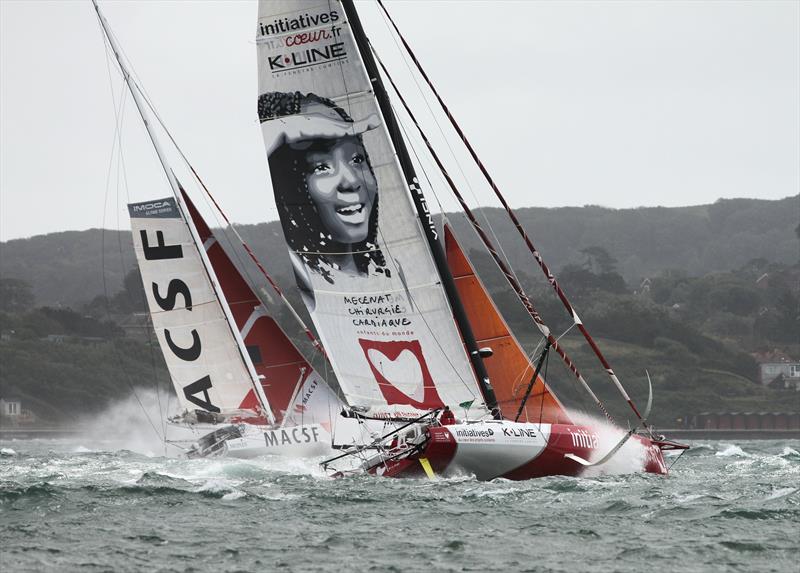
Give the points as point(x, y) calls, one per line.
point(325, 188)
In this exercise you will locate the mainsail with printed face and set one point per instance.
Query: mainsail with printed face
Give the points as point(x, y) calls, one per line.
point(204, 357)
point(360, 257)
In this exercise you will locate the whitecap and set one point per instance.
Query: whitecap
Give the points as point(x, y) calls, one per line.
point(7, 452)
point(217, 486)
point(731, 451)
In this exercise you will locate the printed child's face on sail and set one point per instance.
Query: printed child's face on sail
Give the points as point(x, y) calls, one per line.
point(342, 186)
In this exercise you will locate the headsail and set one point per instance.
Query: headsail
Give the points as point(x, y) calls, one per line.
point(295, 390)
point(210, 373)
point(509, 366)
point(367, 274)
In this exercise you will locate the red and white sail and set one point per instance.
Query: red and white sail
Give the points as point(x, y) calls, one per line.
point(206, 361)
point(296, 393)
point(359, 253)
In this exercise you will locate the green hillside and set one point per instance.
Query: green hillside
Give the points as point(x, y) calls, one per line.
point(688, 294)
point(71, 268)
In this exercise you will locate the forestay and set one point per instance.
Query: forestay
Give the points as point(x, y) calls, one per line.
point(360, 257)
point(205, 361)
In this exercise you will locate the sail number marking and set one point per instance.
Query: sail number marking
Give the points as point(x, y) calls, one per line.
point(196, 392)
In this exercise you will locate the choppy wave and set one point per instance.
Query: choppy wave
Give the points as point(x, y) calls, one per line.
point(725, 506)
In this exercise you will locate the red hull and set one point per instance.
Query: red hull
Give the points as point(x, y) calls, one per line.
point(448, 456)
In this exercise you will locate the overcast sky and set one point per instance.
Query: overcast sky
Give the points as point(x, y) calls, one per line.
point(620, 104)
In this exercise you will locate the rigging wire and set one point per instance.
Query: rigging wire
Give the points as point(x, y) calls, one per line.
point(117, 147)
point(436, 197)
point(393, 33)
point(541, 402)
point(523, 297)
point(123, 173)
point(550, 277)
point(148, 327)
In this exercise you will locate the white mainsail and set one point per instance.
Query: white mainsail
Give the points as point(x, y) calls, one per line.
point(204, 358)
point(367, 274)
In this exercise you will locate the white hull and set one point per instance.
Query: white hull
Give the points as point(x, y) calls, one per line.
point(246, 441)
point(305, 441)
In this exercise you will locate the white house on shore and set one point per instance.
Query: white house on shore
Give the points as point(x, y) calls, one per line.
point(779, 371)
point(10, 407)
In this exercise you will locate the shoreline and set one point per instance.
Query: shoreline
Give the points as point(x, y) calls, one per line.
point(729, 434)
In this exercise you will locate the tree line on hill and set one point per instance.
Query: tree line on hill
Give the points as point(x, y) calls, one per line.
point(70, 268)
point(695, 333)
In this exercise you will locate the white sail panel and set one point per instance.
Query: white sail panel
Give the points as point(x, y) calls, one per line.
point(360, 257)
point(201, 352)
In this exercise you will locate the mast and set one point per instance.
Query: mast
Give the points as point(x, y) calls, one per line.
point(422, 209)
point(176, 191)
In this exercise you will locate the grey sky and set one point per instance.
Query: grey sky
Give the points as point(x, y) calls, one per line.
point(620, 104)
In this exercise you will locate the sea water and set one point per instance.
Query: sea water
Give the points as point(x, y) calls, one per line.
point(69, 506)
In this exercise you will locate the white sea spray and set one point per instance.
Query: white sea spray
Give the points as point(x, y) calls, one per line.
point(630, 458)
point(136, 423)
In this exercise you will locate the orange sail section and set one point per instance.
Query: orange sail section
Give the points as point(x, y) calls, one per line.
point(509, 368)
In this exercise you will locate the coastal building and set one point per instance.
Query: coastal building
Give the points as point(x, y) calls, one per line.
point(10, 407)
point(778, 370)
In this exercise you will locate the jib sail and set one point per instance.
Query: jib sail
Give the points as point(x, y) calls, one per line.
point(297, 394)
point(211, 374)
point(359, 255)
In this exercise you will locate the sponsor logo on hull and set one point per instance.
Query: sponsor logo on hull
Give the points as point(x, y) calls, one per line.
point(292, 436)
point(583, 439)
point(490, 449)
point(500, 433)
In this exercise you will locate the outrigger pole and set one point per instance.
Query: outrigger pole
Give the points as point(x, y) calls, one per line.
point(536, 255)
